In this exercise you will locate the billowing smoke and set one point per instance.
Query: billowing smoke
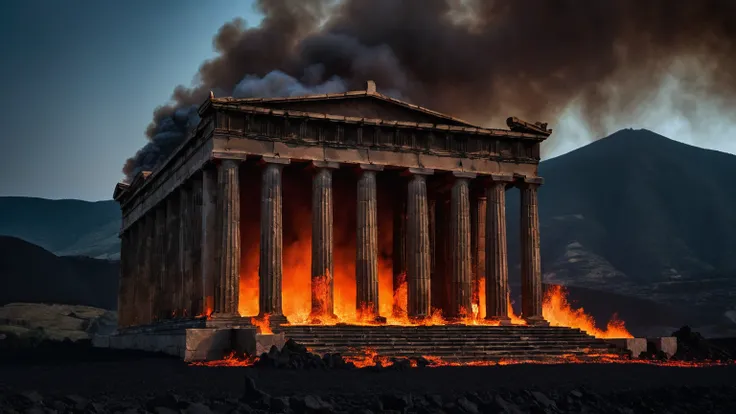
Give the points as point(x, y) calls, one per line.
point(604, 61)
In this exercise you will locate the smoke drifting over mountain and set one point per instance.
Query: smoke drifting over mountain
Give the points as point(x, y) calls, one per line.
point(481, 60)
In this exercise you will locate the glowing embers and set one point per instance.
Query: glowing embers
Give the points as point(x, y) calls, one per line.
point(370, 358)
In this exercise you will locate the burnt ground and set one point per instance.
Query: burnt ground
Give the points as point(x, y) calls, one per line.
point(117, 382)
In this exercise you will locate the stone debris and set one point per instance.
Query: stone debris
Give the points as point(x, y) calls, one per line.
point(296, 356)
point(692, 346)
point(254, 400)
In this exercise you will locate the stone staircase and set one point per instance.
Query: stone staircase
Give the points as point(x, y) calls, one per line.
point(452, 342)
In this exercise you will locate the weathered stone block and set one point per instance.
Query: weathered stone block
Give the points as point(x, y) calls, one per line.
point(206, 344)
point(264, 342)
point(244, 340)
point(635, 345)
point(666, 344)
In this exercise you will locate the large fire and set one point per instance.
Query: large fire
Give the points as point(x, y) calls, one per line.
point(298, 292)
point(298, 289)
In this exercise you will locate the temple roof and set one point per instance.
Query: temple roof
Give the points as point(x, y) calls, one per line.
point(339, 104)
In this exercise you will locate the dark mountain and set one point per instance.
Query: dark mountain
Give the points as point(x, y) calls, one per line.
point(642, 215)
point(28, 273)
point(64, 227)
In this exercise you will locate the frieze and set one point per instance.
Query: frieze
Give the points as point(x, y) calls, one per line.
point(395, 136)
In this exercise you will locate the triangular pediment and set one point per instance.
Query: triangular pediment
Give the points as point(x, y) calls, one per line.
point(359, 104)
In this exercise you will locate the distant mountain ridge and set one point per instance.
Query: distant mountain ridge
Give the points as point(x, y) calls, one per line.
point(638, 214)
point(29, 273)
point(64, 227)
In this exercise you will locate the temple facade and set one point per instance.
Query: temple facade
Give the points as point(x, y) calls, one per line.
point(182, 231)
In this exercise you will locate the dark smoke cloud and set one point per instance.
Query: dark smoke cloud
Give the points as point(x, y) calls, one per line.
point(481, 60)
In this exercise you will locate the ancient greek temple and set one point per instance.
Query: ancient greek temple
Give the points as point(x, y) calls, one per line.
point(362, 154)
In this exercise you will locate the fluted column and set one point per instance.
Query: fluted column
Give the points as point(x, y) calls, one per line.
point(417, 245)
point(398, 257)
point(270, 268)
point(124, 281)
point(148, 270)
point(210, 240)
point(497, 272)
point(531, 264)
point(366, 260)
point(228, 182)
point(159, 261)
point(323, 275)
point(461, 287)
point(478, 242)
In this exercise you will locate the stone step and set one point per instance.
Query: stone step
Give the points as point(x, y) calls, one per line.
point(450, 342)
point(319, 342)
point(438, 328)
point(440, 338)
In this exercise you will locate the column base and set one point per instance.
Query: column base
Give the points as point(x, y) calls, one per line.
point(536, 321)
point(419, 319)
point(274, 319)
point(502, 320)
point(321, 318)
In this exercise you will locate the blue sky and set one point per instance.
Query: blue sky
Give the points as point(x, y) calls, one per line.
point(80, 79)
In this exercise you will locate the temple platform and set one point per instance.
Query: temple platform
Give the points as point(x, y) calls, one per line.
point(208, 339)
point(452, 342)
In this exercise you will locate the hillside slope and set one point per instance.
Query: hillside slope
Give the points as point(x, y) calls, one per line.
point(28, 273)
point(64, 227)
point(639, 214)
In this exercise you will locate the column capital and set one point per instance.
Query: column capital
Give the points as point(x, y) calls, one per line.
point(275, 160)
point(223, 160)
point(369, 167)
point(325, 164)
point(530, 181)
point(417, 171)
point(497, 178)
point(464, 174)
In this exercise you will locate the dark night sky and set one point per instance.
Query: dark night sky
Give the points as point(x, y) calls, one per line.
point(80, 79)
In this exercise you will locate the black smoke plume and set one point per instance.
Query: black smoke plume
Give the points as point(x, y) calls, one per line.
point(481, 60)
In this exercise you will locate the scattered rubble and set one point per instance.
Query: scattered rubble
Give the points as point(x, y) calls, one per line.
point(692, 346)
point(296, 356)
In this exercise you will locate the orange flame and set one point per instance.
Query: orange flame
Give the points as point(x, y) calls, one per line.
point(558, 312)
point(298, 288)
point(262, 324)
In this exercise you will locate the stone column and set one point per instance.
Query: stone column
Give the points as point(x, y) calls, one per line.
point(431, 209)
point(159, 241)
point(478, 242)
point(185, 246)
point(195, 241)
point(497, 272)
point(417, 245)
point(398, 257)
point(531, 264)
point(172, 284)
point(124, 281)
point(366, 261)
point(270, 268)
point(209, 240)
point(323, 274)
point(461, 286)
point(228, 195)
point(148, 272)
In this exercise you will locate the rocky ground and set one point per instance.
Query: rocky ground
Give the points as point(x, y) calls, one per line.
point(70, 377)
point(55, 322)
